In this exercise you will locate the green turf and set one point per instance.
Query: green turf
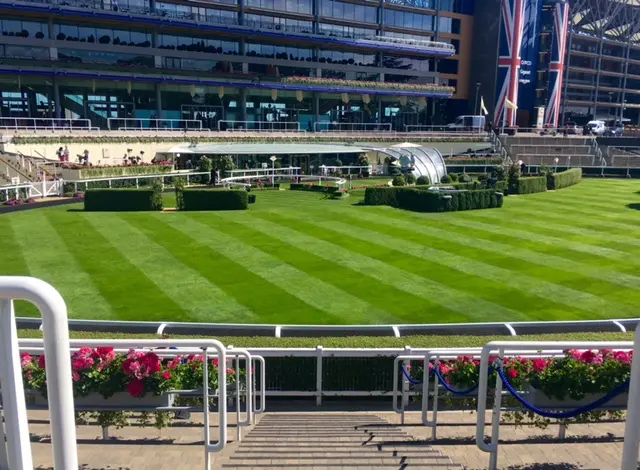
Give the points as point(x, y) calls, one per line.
point(296, 257)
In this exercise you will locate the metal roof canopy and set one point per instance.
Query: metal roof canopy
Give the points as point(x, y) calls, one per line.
point(265, 149)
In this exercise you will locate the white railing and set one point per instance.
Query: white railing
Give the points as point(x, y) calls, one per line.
point(271, 173)
point(148, 124)
point(137, 178)
point(45, 123)
point(258, 126)
point(444, 129)
point(632, 427)
point(417, 43)
point(326, 126)
point(16, 453)
point(34, 190)
point(500, 348)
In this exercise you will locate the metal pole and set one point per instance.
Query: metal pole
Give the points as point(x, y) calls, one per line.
point(318, 376)
point(632, 426)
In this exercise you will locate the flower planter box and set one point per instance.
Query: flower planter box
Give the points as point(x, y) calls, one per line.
point(120, 400)
point(542, 400)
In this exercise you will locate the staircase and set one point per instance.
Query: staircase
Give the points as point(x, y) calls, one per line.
point(553, 151)
point(328, 440)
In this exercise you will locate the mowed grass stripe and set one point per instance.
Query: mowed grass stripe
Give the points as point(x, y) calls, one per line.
point(620, 242)
point(266, 300)
point(48, 258)
point(203, 301)
point(376, 300)
point(14, 264)
point(125, 287)
point(497, 252)
point(334, 302)
point(569, 298)
point(339, 251)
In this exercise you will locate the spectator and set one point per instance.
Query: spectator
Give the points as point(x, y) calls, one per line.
point(86, 158)
point(66, 153)
point(60, 154)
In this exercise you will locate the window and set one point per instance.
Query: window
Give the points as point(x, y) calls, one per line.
point(291, 6)
point(448, 66)
point(348, 11)
point(404, 19)
point(25, 29)
point(277, 23)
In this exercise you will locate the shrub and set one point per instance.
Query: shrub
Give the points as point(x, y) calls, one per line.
point(499, 173)
point(423, 180)
point(410, 178)
point(225, 164)
point(317, 188)
point(214, 199)
point(531, 184)
point(127, 199)
point(180, 184)
point(483, 177)
point(446, 179)
point(251, 198)
point(380, 196)
point(436, 201)
point(513, 178)
point(565, 178)
point(453, 177)
point(399, 180)
point(156, 200)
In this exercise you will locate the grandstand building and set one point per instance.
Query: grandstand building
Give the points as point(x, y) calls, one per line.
point(232, 63)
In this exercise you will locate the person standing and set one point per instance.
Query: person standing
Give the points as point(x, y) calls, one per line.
point(66, 153)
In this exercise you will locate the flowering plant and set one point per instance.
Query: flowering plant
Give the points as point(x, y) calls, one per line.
point(409, 87)
point(104, 372)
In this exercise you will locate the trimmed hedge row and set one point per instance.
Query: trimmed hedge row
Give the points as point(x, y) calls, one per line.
point(531, 184)
point(122, 199)
point(420, 200)
point(564, 178)
point(214, 200)
point(313, 187)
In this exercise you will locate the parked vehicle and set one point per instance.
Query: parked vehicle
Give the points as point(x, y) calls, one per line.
point(595, 128)
point(572, 128)
point(614, 129)
point(467, 124)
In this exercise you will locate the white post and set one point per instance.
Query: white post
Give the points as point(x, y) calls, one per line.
point(4, 458)
point(632, 427)
point(319, 376)
point(238, 427)
point(58, 370)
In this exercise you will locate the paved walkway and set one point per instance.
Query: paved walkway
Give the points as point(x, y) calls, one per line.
point(339, 440)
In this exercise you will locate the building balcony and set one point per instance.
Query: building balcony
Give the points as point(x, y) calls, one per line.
point(97, 10)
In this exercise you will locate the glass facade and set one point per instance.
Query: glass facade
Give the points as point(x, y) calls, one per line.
point(327, 45)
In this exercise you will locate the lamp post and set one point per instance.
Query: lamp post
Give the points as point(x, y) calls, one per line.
point(475, 106)
point(273, 169)
point(556, 160)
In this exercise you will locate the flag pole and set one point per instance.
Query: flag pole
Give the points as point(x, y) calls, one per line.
point(504, 116)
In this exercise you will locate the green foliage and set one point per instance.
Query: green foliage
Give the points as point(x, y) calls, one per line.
point(399, 180)
point(106, 172)
point(531, 184)
point(251, 198)
point(565, 178)
point(225, 164)
point(214, 200)
point(513, 179)
point(120, 200)
point(483, 177)
point(316, 188)
point(205, 164)
point(423, 180)
point(156, 200)
point(499, 173)
point(410, 178)
point(380, 196)
point(179, 184)
point(446, 179)
point(453, 177)
point(447, 201)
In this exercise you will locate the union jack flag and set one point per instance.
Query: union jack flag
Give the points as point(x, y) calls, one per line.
point(511, 27)
point(556, 67)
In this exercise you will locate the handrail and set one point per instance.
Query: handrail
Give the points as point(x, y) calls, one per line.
point(500, 347)
point(156, 124)
point(262, 125)
point(49, 123)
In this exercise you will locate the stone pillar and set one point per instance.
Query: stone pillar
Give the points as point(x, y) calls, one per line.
point(243, 104)
point(316, 109)
point(56, 98)
point(157, 60)
point(380, 110)
point(53, 51)
point(158, 101)
point(85, 104)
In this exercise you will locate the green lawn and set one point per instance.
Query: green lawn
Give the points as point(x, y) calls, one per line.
point(297, 258)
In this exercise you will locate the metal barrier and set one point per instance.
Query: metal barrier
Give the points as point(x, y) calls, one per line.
point(259, 126)
point(137, 178)
point(326, 126)
point(35, 189)
point(632, 426)
point(148, 124)
point(445, 129)
point(16, 453)
point(45, 123)
point(499, 347)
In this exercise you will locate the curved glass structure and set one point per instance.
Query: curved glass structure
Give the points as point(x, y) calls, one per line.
point(423, 161)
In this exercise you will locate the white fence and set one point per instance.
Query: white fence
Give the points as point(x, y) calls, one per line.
point(45, 123)
point(446, 129)
point(34, 190)
point(259, 126)
point(326, 126)
point(148, 124)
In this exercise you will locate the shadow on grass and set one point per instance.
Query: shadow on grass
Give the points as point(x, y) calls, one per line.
point(634, 206)
point(76, 210)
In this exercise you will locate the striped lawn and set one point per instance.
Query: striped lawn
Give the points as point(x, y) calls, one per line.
point(295, 257)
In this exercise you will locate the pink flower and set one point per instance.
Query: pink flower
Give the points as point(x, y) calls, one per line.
point(75, 376)
point(214, 362)
point(513, 373)
point(106, 354)
point(444, 369)
point(622, 357)
point(230, 371)
point(82, 363)
point(41, 362)
point(492, 359)
point(131, 367)
point(606, 352)
point(430, 366)
point(408, 368)
point(135, 388)
point(465, 359)
point(539, 365)
point(175, 362)
point(166, 375)
point(575, 354)
point(590, 357)
point(25, 359)
point(133, 354)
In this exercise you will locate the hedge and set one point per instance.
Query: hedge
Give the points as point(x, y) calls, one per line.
point(313, 187)
point(121, 199)
point(564, 178)
point(433, 201)
point(380, 196)
point(108, 171)
point(532, 184)
point(215, 200)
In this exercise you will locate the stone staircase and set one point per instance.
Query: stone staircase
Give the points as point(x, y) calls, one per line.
point(329, 441)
